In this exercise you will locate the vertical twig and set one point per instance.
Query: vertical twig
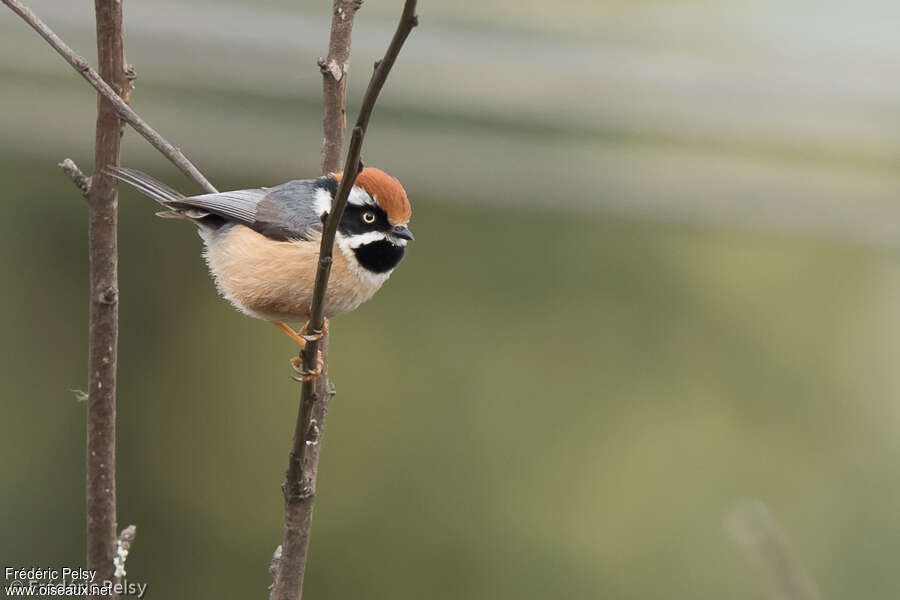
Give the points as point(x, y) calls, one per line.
point(300, 483)
point(104, 299)
point(300, 478)
point(334, 83)
point(105, 552)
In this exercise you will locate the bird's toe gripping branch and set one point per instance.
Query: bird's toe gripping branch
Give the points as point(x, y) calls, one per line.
point(302, 374)
point(302, 337)
point(316, 335)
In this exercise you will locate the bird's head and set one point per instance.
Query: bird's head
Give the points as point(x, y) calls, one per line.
point(375, 224)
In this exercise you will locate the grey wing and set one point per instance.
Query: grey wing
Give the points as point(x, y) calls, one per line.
point(283, 212)
point(238, 205)
point(286, 211)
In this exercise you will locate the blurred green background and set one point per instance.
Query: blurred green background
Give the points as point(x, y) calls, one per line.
point(655, 273)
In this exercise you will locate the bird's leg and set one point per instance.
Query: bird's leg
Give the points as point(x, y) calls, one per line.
point(289, 331)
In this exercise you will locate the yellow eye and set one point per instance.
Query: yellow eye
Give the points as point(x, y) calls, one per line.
point(368, 217)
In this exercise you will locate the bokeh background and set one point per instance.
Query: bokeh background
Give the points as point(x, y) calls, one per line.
point(655, 273)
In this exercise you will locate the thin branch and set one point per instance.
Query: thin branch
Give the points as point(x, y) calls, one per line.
point(757, 534)
point(300, 480)
point(109, 94)
point(334, 82)
point(81, 181)
point(104, 305)
point(408, 20)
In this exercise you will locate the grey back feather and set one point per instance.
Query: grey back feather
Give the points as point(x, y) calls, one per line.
point(286, 211)
point(292, 206)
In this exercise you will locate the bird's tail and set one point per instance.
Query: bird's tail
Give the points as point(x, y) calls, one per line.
point(152, 187)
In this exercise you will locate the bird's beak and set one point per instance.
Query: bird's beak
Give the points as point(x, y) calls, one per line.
point(402, 231)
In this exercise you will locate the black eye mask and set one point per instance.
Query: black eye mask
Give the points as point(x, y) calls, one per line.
point(352, 222)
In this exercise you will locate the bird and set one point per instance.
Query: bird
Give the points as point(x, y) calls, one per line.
point(262, 245)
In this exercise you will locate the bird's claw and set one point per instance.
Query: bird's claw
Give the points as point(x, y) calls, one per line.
point(317, 335)
point(303, 375)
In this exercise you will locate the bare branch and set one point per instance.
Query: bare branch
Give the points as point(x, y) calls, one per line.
point(408, 21)
point(104, 305)
point(109, 94)
point(334, 82)
point(300, 482)
point(81, 181)
point(757, 534)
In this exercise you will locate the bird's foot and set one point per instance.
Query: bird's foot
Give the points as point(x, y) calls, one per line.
point(303, 375)
point(315, 335)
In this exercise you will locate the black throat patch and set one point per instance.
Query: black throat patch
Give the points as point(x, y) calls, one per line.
point(380, 256)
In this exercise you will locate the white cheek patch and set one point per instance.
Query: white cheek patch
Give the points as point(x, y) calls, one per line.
point(373, 281)
point(359, 197)
point(355, 241)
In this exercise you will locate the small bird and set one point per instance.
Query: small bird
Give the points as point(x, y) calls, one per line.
point(262, 245)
